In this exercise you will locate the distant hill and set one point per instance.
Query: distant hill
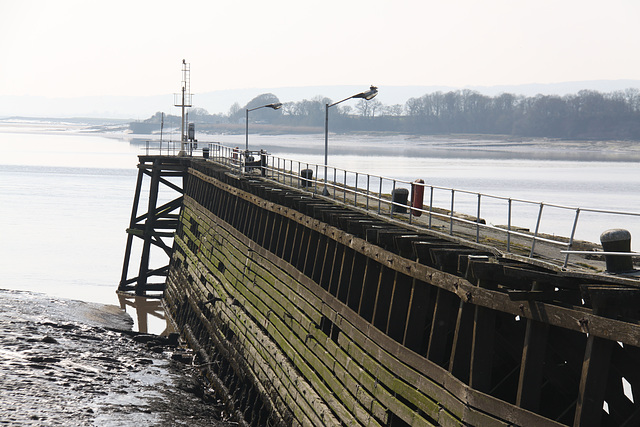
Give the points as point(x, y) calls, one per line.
point(141, 107)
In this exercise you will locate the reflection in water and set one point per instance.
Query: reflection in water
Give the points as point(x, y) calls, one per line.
point(147, 313)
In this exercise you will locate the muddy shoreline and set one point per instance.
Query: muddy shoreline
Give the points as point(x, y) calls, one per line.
point(66, 362)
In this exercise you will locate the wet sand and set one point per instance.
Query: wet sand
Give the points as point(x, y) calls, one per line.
point(74, 363)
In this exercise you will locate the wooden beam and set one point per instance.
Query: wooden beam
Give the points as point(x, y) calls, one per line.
point(482, 349)
point(531, 365)
point(460, 360)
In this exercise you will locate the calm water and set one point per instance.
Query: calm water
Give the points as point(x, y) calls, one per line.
point(598, 175)
point(65, 196)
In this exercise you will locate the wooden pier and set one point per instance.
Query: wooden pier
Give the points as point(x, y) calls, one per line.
point(305, 312)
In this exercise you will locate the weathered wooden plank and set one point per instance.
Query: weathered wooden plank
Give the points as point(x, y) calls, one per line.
point(430, 379)
point(385, 386)
point(462, 288)
point(269, 354)
point(217, 338)
point(268, 305)
point(271, 366)
point(514, 308)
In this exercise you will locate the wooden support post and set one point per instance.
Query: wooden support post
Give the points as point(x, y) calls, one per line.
point(444, 318)
point(148, 229)
point(132, 223)
point(369, 289)
point(420, 311)
point(345, 274)
point(460, 360)
point(533, 355)
point(399, 309)
point(383, 298)
point(482, 349)
point(531, 366)
point(597, 358)
point(336, 267)
point(356, 281)
point(593, 382)
point(318, 259)
point(327, 264)
point(152, 227)
point(311, 252)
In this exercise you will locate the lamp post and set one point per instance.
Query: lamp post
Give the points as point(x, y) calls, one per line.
point(367, 95)
point(275, 106)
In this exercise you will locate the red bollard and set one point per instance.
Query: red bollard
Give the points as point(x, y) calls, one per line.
point(417, 196)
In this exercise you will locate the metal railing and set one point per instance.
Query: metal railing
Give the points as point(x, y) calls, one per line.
point(390, 197)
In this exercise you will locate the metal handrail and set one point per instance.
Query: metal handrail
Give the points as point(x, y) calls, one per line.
point(371, 194)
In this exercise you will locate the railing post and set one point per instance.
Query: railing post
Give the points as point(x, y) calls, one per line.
point(315, 187)
point(411, 202)
point(368, 193)
point(344, 188)
point(509, 226)
point(573, 233)
point(478, 220)
point(453, 193)
point(535, 235)
point(430, 206)
point(355, 194)
point(380, 196)
point(335, 180)
point(393, 190)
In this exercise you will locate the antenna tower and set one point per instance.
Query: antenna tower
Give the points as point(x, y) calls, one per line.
point(183, 100)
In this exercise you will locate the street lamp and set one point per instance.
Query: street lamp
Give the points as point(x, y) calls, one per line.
point(275, 106)
point(367, 95)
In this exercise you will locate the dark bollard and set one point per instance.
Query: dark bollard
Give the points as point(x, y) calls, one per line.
point(399, 196)
point(263, 163)
point(617, 240)
point(307, 175)
point(205, 152)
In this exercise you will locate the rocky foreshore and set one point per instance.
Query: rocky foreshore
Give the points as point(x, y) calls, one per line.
point(66, 362)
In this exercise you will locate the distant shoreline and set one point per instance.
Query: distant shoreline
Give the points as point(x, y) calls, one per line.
point(369, 143)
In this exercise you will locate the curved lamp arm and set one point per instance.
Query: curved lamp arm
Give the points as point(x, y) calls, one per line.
point(367, 95)
point(275, 106)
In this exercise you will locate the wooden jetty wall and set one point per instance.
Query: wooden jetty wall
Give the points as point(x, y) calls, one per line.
point(308, 313)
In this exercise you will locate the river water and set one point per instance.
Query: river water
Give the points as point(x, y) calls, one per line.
point(66, 357)
point(66, 192)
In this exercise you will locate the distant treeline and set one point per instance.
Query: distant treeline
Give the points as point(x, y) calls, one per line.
point(585, 115)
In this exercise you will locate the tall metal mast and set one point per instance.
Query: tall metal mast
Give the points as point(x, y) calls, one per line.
point(184, 100)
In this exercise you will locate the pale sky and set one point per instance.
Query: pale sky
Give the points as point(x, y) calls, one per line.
point(75, 48)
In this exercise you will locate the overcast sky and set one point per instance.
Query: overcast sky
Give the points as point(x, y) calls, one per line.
point(75, 48)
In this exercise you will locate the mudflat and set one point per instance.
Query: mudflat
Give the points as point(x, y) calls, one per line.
point(65, 362)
